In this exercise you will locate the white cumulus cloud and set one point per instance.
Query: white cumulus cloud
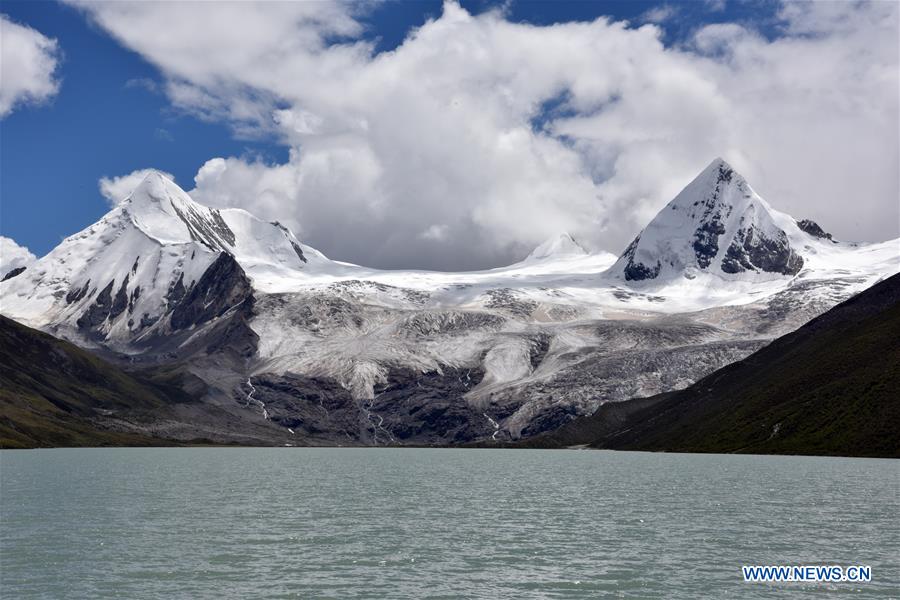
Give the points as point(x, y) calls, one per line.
point(477, 138)
point(13, 256)
point(28, 62)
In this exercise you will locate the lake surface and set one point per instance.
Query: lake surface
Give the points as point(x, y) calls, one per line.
point(417, 523)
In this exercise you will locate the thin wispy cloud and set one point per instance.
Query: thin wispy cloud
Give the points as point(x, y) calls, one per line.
point(660, 14)
point(143, 83)
point(163, 135)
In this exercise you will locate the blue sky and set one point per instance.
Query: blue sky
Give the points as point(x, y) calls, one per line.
point(52, 154)
point(111, 114)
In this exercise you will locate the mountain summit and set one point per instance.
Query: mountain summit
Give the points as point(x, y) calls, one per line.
point(559, 245)
point(126, 276)
point(717, 224)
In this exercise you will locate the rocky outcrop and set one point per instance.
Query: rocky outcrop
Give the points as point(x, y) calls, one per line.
point(76, 294)
point(13, 272)
point(753, 250)
point(706, 236)
point(211, 231)
point(410, 408)
point(634, 270)
point(223, 287)
point(813, 229)
point(98, 311)
point(120, 302)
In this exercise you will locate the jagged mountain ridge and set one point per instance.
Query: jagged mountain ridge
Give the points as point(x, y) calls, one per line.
point(509, 352)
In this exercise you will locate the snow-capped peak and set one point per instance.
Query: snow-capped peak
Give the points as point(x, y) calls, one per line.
point(718, 225)
point(165, 212)
point(558, 245)
point(122, 276)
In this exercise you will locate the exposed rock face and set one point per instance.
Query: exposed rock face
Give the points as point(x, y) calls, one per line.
point(636, 270)
point(13, 272)
point(706, 241)
point(639, 271)
point(223, 290)
point(752, 250)
point(410, 408)
point(222, 287)
point(812, 228)
point(177, 291)
point(97, 312)
point(706, 236)
point(120, 302)
point(76, 294)
point(211, 230)
point(298, 250)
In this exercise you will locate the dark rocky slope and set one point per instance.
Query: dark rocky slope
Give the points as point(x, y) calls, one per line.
point(829, 388)
point(53, 393)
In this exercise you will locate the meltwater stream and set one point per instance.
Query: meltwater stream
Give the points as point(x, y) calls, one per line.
point(417, 523)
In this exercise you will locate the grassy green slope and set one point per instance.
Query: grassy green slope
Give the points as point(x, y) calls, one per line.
point(52, 393)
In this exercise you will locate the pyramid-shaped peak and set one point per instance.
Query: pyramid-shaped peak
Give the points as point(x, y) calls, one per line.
point(558, 245)
point(719, 163)
point(714, 183)
point(158, 176)
point(165, 212)
point(716, 224)
point(156, 186)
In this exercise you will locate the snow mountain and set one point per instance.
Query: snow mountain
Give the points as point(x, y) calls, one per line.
point(301, 349)
point(717, 225)
point(158, 262)
point(560, 245)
